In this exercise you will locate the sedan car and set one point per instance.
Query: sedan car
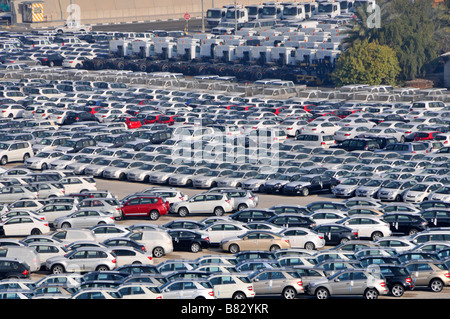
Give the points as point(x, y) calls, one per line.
point(84, 218)
point(190, 240)
point(300, 237)
point(252, 240)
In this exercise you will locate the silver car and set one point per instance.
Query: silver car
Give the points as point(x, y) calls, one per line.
point(349, 282)
point(393, 190)
point(420, 192)
point(348, 187)
point(121, 169)
point(162, 176)
point(96, 169)
point(255, 183)
point(82, 260)
point(284, 282)
point(211, 178)
point(84, 218)
point(186, 177)
point(142, 173)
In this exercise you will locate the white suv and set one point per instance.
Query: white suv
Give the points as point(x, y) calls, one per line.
point(17, 151)
point(216, 203)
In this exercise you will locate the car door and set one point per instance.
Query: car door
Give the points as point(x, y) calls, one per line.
point(197, 204)
point(131, 208)
point(16, 226)
point(341, 284)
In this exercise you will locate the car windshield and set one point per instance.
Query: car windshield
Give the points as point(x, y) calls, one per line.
point(419, 188)
point(444, 190)
point(350, 181)
point(393, 185)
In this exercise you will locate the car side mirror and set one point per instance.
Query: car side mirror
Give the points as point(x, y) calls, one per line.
point(336, 280)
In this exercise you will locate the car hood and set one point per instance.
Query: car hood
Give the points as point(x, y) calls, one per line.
point(295, 184)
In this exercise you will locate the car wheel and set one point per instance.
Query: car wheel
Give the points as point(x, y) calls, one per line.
point(397, 290)
point(310, 246)
point(183, 212)
point(241, 207)
point(158, 252)
point(371, 293)
point(412, 231)
point(239, 295)
point(4, 160)
point(122, 177)
point(305, 191)
point(101, 223)
point(26, 156)
point(398, 198)
point(65, 225)
point(195, 247)
point(289, 293)
point(322, 293)
point(44, 166)
point(343, 240)
point(51, 64)
point(274, 247)
point(58, 269)
point(376, 235)
point(436, 285)
point(189, 184)
point(102, 268)
point(218, 211)
point(154, 215)
point(36, 231)
point(233, 249)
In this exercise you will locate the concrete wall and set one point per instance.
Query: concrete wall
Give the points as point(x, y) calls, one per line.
point(110, 11)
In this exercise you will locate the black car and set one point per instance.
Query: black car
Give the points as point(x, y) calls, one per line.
point(397, 278)
point(75, 145)
point(105, 275)
point(328, 205)
point(251, 255)
point(188, 240)
point(186, 274)
point(183, 224)
point(82, 116)
point(138, 269)
point(292, 220)
point(293, 209)
point(308, 184)
point(426, 204)
point(405, 223)
point(383, 140)
point(335, 234)
point(414, 255)
point(377, 260)
point(124, 242)
point(437, 217)
point(252, 214)
point(10, 268)
point(358, 144)
point(51, 60)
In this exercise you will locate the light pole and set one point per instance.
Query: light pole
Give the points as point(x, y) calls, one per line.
point(203, 18)
point(235, 17)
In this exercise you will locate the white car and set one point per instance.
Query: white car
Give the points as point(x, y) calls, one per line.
point(11, 110)
point(130, 255)
point(75, 184)
point(231, 286)
point(367, 226)
point(24, 226)
point(320, 127)
point(420, 192)
point(321, 217)
point(15, 151)
point(187, 289)
point(105, 231)
point(139, 291)
point(73, 27)
point(301, 237)
point(42, 160)
point(216, 203)
point(53, 211)
point(84, 218)
point(46, 250)
point(157, 241)
point(221, 230)
point(442, 194)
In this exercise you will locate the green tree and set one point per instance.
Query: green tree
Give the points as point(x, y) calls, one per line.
point(367, 63)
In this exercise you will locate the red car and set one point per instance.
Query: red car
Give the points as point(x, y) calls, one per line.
point(167, 119)
point(424, 136)
point(132, 122)
point(145, 206)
